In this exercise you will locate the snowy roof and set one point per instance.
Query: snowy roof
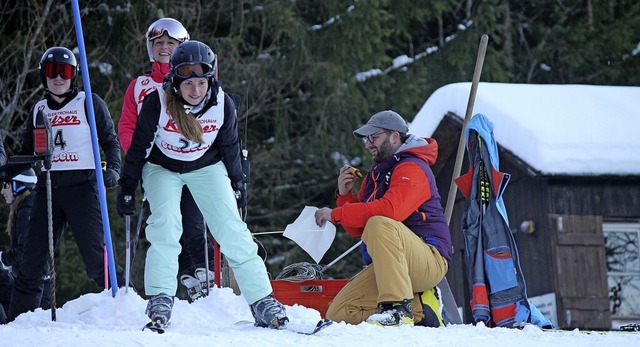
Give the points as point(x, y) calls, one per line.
point(582, 130)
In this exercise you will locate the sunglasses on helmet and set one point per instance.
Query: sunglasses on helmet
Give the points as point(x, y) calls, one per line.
point(193, 70)
point(66, 71)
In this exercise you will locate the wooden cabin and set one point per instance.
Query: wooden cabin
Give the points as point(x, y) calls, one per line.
point(573, 200)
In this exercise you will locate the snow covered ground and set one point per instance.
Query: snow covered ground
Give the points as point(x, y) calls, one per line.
point(100, 320)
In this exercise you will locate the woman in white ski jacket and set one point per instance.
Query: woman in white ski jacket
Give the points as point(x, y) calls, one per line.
point(187, 135)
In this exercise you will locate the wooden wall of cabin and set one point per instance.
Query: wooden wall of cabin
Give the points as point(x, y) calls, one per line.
point(612, 198)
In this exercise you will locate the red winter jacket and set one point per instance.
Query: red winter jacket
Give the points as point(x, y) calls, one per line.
point(403, 188)
point(129, 116)
point(408, 189)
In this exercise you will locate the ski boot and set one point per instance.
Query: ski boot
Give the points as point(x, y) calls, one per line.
point(432, 308)
point(201, 275)
point(197, 286)
point(194, 288)
point(159, 309)
point(269, 313)
point(392, 314)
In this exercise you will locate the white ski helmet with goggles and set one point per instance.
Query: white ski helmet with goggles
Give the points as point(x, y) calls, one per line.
point(27, 179)
point(171, 27)
point(58, 61)
point(192, 59)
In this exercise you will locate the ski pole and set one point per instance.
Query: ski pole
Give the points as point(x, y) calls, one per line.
point(43, 148)
point(127, 270)
point(105, 255)
point(206, 257)
point(105, 265)
point(268, 232)
point(138, 226)
point(217, 263)
point(341, 256)
point(51, 250)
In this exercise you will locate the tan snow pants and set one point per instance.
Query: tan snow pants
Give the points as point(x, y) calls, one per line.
point(404, 266)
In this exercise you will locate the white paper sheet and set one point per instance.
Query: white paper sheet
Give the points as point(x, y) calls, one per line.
point(313, 239)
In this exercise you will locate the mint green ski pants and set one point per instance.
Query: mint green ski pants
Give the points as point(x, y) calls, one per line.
point(211, 189)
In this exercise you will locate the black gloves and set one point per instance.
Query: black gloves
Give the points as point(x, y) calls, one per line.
point(110, 177)
point(126, 201)
point(241, 194)
point(5, 174)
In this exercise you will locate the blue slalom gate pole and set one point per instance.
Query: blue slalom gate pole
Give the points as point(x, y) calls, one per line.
point(94, 143)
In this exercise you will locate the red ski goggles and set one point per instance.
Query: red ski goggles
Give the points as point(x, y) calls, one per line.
point(66, 71)
point(193, 70)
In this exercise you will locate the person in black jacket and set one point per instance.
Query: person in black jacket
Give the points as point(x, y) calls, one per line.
point(74, 190)
point(18, 194)
point(189, 129)
point(163, 36)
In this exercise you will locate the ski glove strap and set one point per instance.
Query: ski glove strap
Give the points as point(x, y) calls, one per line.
point(241, 194)
point(126, 202)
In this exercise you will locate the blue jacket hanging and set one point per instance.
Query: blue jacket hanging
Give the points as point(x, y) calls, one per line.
point(498, 290)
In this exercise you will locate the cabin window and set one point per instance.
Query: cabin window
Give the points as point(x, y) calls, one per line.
point(622, 247)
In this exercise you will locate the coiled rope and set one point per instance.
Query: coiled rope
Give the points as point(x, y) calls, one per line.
point(299, 272)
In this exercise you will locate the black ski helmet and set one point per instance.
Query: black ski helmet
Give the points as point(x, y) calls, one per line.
point(188, 55)
point(56, 61)
point(27, 179)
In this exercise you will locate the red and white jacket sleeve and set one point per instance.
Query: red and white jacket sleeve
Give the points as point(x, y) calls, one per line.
point(128, 117)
